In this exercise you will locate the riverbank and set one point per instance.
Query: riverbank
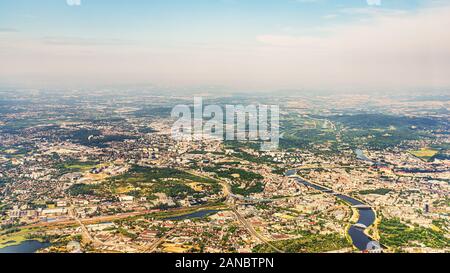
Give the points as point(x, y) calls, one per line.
point(27, 246)
point(366, 217)
point(16, 238)
point(180, 213)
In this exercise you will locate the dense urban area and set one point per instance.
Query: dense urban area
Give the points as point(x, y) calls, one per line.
point(100, 172)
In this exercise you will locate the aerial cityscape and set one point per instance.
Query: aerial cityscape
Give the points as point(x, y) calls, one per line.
point(102, 173)
point(96, 159)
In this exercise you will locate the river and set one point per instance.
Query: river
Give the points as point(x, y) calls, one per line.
point(366, 215)
point(361, 156)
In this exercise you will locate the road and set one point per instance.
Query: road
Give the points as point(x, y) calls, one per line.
point(94, 220)
point(252, 231)
point(226, 187)
point(101, 219)
point(86, 234)
point(227, 192)
point(154, 245)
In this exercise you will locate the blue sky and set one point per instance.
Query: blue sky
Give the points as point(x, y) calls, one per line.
point(186, 19)
point(202, 40)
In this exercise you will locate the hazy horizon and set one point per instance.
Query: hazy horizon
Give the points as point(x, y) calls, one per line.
point(231, 45)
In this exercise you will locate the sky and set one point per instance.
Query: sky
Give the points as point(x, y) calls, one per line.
point(237, 44)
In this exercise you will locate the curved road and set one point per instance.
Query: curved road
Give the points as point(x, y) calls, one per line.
point(227, 192)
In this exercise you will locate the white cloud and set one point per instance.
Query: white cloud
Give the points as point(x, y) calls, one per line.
point(406, 50)
point(374, 2)
point(73, 2)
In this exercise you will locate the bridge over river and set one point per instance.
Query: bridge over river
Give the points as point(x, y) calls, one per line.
point(366, 213)
point(362, 207)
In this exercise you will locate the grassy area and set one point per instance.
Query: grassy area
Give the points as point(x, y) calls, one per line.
point(309, 243)
point(20, 124)
point(396, 234)
point(244, 182)
point(76, 166)
point(83, 189)
point(145, 174)
point(145, 182)
point(234, 173)
point(424, 153)
point(185, 211)
point(376, 191)
point(126, 233)
point(246, 190)
point(15, 238)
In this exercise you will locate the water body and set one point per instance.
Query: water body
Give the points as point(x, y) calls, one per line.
point(291, 172)
point(197, 214)
point(361, 156)
point(30, 246)
point(366, 216)
point(420, 171)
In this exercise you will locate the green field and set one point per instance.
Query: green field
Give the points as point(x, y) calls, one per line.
point(76, 166)
point(424, 154)
point(146, 181)
point(396, 234)
point(377, 191)
point(15, 237)
point(308, 243)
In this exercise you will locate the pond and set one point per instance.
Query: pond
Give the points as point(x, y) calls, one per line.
point(29, 246)
point(197, 214)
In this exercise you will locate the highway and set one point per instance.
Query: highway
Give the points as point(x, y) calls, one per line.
point(89, 221)
point(227, 192)
point(86, 235)
point(155, 244)
point(252, 231)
